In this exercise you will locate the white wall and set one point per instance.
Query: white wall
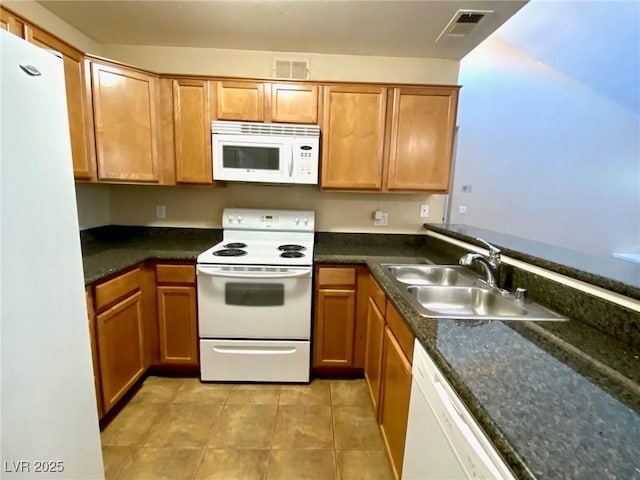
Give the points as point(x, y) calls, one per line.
point(42, 17)
point(251, 63)
point(548, 158)
point(94, 205)
point(336, 212)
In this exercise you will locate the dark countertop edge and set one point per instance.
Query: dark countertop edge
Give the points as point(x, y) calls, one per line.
point(587, 277)
point(130, 258)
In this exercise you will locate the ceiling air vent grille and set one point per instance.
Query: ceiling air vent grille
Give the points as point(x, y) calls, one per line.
point(291, 69)
point(463, 23)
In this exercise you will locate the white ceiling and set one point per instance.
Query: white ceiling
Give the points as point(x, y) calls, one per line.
point(385, 28)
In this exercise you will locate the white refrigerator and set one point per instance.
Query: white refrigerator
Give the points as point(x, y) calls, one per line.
point(49, 423)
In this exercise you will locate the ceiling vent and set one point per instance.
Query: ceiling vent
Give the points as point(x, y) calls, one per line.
point(292, 69)
point(463, 23)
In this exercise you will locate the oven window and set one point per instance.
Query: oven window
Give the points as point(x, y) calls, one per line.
point(254, 294)
point(255, 158)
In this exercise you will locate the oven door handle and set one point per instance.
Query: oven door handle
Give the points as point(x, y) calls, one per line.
point(217, 273)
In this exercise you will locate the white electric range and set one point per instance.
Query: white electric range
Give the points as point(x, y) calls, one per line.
point(254, 297)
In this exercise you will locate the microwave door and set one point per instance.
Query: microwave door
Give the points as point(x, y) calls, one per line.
point(250, 161)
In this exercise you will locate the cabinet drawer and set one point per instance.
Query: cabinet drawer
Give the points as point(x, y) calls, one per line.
point(336, 276)
point(378, 295)
point(114, 289)
point(176, 274)
point(401, 331)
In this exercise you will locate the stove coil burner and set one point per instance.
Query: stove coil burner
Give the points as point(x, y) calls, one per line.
point(291, 248)
point(229, 252)
point(235, 245)
point(291, 254)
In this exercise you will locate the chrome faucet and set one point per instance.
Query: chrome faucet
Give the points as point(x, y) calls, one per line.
point(490, 264)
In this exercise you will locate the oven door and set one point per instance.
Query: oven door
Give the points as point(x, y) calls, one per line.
point(254, 302)
point(252, 158)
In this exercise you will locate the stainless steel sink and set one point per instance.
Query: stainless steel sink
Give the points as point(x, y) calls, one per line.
point(465, 302)
point(451, 291)
point(432, 275)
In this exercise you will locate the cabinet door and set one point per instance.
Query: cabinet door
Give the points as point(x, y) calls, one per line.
point(422, 133)
point(353, 137)
point(373, 355)
point(394, 401)
point(74, 78)
point(177, 324)
point(192, 127)
point(120, 348)
point(334, 328)
point(240, 101)
point(11, 23)
point(124, 104)
point(94, 351)
point(294, 103)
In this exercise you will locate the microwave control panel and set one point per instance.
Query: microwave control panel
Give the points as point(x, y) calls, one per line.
point(306, 157)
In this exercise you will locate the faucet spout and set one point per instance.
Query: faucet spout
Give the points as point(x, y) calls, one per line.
point(468, 259)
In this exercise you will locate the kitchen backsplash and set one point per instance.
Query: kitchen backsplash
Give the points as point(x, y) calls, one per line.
point(201, 207)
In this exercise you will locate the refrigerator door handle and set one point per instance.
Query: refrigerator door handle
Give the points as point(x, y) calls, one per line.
point(30, 70)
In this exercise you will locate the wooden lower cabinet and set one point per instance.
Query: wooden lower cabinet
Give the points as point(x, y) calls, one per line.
point(177, 315)
point(334, 327)
point(373, 355)
point(340, 319)
point(177, 325)
point(120, 347)
point(94, 351)
point(394, 400)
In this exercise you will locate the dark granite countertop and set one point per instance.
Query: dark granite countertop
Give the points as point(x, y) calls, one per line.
point(551, 409)
point(557, 400)
point(108, 250)
point(610, 273)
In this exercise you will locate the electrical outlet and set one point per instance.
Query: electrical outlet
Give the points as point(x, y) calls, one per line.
point(161, 211)
point(424, 210)
point(462, 210)
point(383, 221)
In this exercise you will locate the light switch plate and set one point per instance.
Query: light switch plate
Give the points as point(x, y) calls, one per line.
point(462, 209)
point(161, 211)
point(424, 210)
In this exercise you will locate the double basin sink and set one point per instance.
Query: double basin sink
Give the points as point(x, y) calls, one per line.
point(452, 291)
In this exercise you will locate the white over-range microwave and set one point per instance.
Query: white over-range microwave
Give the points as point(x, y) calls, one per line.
point(265, 152)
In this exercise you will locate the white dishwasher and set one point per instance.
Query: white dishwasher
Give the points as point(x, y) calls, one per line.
point(443, 439)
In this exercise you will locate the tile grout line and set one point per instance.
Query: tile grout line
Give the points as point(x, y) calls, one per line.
point(273, 433)
point(211, 433)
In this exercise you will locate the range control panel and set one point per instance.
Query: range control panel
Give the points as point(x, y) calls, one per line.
point(257, 219)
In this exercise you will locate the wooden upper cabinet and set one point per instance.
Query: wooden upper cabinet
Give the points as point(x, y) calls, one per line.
point(240, 101)
point(422, 134)
point(192, 130)
point(353, 129)
point(294, 103)
point(74, 77)
point(11, 23)
point(124, 107)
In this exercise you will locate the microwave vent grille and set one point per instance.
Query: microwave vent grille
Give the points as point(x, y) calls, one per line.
point(265, 129)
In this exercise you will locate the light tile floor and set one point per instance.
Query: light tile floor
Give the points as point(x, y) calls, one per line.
point(180, 428)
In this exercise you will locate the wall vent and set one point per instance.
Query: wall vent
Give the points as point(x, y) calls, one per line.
point(292, 69)
point(463, 23)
